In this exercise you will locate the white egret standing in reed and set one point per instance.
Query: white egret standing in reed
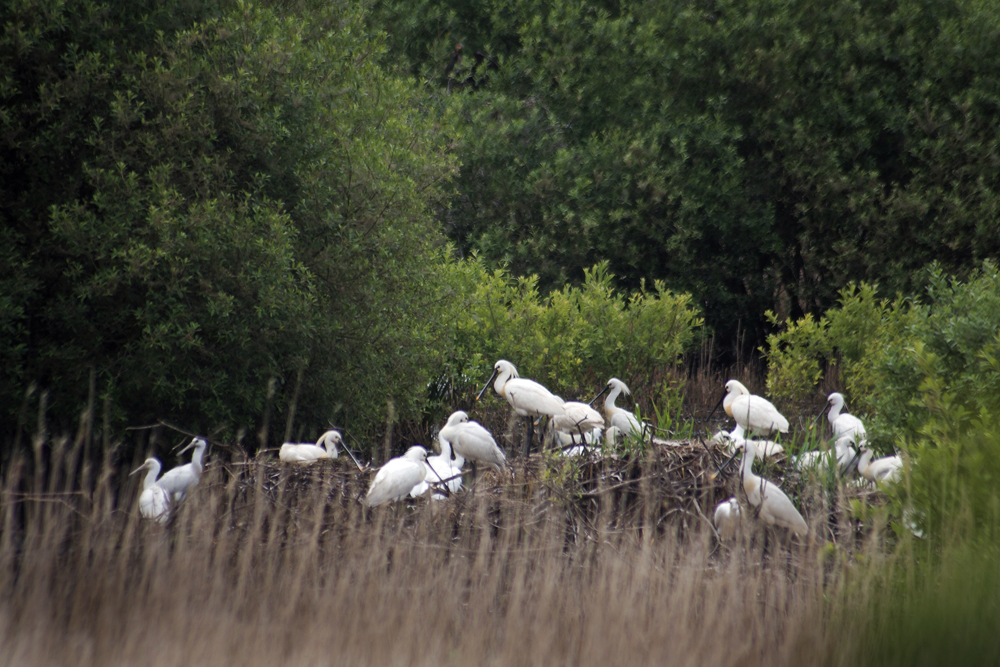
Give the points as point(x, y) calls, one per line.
point(179, 481)
point(325, 448)
point(154, 501)
point(775, 507)
point(727, 518)
point(397, 477)
point(472, 441)
point(442, 471)
point(620, 418)
point(528, 398)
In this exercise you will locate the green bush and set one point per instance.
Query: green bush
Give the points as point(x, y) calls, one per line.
point(199, 197)
point(572, 340)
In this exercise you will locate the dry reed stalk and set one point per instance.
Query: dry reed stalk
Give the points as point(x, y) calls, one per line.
point(268, 564)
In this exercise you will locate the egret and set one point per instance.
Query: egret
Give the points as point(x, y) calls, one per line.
point(441, 469)
point(775, 507)
point(527, 397)
point(397, 477)
point(620, 418)
point(179, 481)
point(472, 441)
point(886, 469)
point(154, 501)
point(752, 413)
point(325, 448)
point(727, 518)
point(843, 423)
point(577, 417)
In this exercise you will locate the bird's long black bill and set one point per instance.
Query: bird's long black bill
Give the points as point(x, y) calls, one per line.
point(725, 465)
point(603, 392)
point(717, 406)
point(488, 383)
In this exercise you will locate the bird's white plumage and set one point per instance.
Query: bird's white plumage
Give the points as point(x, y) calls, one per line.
point(620, 418)
point(842, 455)
point(571, 445)
point(441, 469)
point(577, 418)
point(325, 448)
point(527, 397)
point(397, 477)
point(472, 441)
point(775, 507)
point(753, 413)
point(763, 448)
point(843, 424)
point(727, 518)
point(154, 501)
point(887, 469)
point(179, 481)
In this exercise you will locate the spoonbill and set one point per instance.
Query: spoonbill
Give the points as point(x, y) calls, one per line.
point(752, 413)
point(842, 422)
point(727, 518)
point(775, 506)
point(325, 448)
point(179, 481)
point(528, 398)
point(620, 418)
point(843, 453)
point(472, 441)
point(886, 469)
point(398, 476)
point(570, 447)
point(441, 469)
point(763, 448)
point(577, 417)
point(154, 501)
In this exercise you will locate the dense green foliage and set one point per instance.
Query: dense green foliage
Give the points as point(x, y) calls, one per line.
point(759, 155)
point(574, 339)
point(198, 197)
point(925, 376)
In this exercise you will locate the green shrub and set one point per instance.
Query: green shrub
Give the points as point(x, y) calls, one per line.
point(572, 340)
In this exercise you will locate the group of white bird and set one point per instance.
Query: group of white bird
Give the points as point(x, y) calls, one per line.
point(416, 473)
point(160, 496)
point(756, 416)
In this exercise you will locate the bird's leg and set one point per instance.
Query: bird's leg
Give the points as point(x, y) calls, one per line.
point(529, 436)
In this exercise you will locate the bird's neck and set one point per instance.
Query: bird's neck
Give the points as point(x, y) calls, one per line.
point(196, 459)
point(609, 400)
point(834, 412)
point(501, 380)
point(864, 460)
point(151, 476)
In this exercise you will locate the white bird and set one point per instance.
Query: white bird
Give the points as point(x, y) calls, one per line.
point(752, 413)
point(471, 441)
point(886, 469)
point(843, 454)
point(727, 518)
point(775, 506)
point(620, 418)
point(154, 501)
point(397, 477)
point(843, 424)
point(325, 448)
point(527, 397)
point(179, 481)
point(441, 469)
point(572, 446)
point(763, 448)
point(577, 418)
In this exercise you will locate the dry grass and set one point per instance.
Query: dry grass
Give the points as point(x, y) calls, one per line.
point(268, 565)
